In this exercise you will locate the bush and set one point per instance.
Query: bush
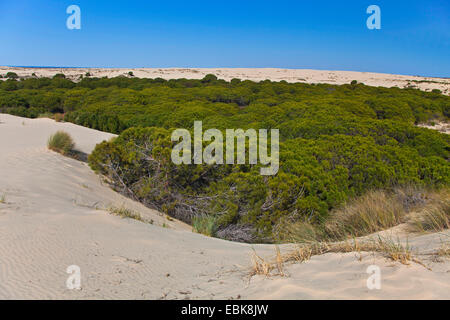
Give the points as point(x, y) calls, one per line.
point(12, 75)
point(61, 142)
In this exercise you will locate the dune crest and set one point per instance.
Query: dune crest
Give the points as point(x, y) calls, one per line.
point(254, 74)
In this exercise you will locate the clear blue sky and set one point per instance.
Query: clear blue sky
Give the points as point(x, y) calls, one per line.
point(320, 34)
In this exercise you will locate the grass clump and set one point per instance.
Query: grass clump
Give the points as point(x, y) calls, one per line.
point(421, 209)
point(265, 267)
point(444, 251)
point(61, 142)
point(435, 217)
point(388, 248)
point(373, 212)
point(2, 198)
point(125, 213)
point(205, 225)
point(45, 115)
point(58, 117)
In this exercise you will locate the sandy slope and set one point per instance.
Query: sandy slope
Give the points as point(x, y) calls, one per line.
point(49, 221)
point(255, 74)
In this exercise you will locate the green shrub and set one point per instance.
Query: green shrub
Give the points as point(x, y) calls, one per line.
point(61, 142)
point(205, 225)
point(12, 75)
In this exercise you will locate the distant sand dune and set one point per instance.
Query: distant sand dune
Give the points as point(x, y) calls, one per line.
point(255, 74)
point(48, 221)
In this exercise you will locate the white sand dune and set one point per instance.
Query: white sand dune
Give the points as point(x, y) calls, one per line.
point(255, 74)
point(49, 221)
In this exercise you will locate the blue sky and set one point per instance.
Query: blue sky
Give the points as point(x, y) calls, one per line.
point(332, 35)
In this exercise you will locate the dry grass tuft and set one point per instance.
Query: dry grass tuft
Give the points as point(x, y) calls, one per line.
point(434, 217)
point(440, 254)
point(444, 251)
point(388, 248)
point(260, 266)
point(58, 117)
point(3, 198)
point(266, 268)
point(125, 213)
point(373, 212)
point(424, 210)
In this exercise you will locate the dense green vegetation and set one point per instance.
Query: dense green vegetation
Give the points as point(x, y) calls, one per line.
point(337, 142)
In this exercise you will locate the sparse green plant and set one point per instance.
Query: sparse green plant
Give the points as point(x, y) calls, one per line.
point(61, 142)
point(46, 115)
point(3, 198)
point(125, 213)
point(205, 225)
